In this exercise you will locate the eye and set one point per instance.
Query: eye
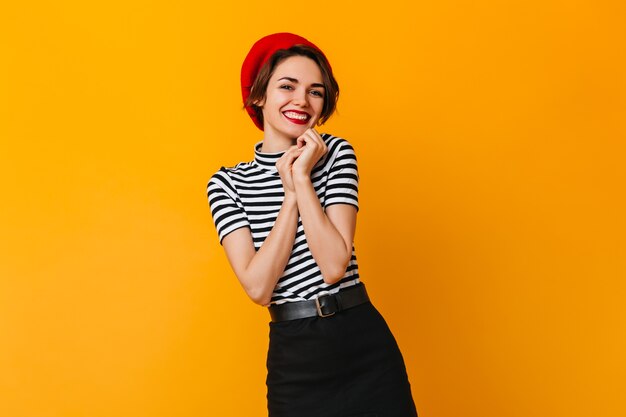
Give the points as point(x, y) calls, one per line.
point(317, 93)
point(286, 87)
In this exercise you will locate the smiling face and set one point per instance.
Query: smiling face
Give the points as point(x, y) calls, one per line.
point(294, 99)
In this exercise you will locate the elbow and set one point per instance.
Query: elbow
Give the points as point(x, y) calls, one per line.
point(257, 289)
point(333, 271)
point(331, 276)
point(259, 296)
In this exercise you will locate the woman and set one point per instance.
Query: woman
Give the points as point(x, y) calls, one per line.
point(286, 221)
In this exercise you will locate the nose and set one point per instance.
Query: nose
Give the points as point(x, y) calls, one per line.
point(300, 97)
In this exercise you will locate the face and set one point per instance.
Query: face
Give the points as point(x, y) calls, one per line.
point(294, 98)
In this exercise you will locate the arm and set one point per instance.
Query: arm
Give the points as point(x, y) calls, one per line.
point(258, 271)
point(329, 234)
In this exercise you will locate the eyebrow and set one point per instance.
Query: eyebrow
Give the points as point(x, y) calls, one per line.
point(295, 80)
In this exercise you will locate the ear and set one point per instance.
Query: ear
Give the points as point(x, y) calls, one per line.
point(259, 103)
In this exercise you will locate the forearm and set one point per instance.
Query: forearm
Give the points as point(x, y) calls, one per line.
point(268, 263)
point(328, 247)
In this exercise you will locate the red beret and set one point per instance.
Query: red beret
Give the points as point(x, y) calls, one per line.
point(259, 54)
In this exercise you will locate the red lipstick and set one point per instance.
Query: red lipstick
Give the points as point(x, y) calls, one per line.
point(302, 120)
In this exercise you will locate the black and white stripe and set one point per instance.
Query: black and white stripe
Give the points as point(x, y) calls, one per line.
point(250, 194)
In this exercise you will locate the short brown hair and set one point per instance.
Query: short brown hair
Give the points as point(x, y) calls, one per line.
point(259, 87)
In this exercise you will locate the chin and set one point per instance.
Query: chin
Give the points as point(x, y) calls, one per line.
point(296, 131)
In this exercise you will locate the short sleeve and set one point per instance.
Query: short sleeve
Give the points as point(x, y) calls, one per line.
point(227, 214)
point(343, 177)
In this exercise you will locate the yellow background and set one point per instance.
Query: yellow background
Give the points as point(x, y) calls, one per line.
point(490, 138)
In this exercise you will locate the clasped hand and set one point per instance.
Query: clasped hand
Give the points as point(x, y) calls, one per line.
point(299, 159)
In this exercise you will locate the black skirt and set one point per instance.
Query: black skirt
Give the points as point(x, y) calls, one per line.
point(346, 365)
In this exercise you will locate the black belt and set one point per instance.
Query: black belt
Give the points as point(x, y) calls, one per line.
point(323, 306)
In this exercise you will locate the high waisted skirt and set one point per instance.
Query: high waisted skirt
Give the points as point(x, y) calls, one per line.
point(346, 365)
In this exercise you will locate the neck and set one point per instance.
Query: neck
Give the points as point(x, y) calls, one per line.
point(276, 143)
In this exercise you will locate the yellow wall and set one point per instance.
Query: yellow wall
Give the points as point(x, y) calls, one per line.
point(492, 235)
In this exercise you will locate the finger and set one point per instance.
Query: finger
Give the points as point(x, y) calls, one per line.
point(317, 134)
point(301, 141)
point(290, 151)
point(289, 156)
point(315, 139)
point(308, 138)
point(313, 122)
point(320, 139)
point(294, 152)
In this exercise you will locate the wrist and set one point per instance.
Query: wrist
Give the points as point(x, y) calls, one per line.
point(301, 177)
point(290, 199)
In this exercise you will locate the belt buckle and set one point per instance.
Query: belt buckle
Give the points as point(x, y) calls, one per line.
point(318, 306)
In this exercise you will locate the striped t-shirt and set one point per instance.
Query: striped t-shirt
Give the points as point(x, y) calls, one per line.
point(250, 194)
